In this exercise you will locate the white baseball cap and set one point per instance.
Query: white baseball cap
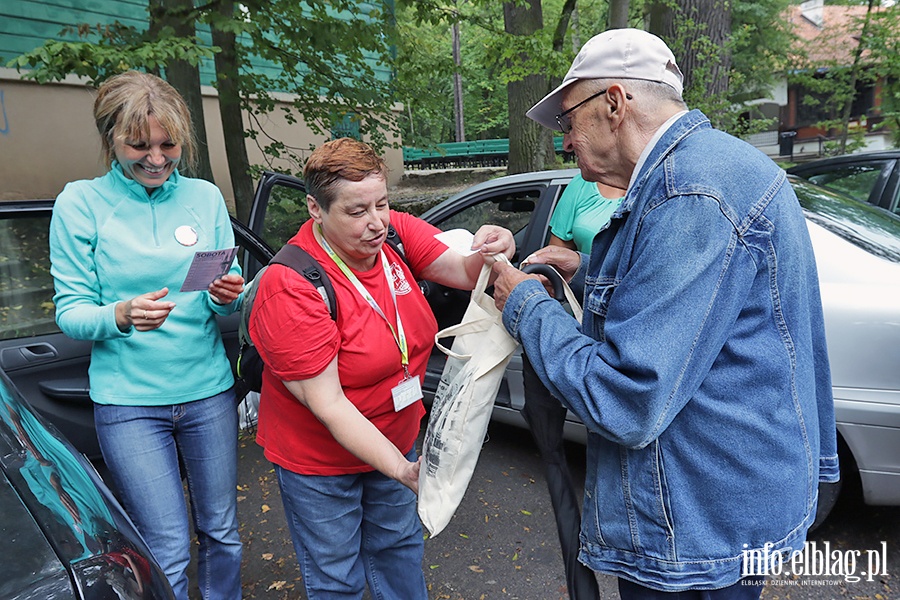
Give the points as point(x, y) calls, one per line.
point(613, 54)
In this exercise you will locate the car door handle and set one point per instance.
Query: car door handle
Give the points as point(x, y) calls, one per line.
point(77, 389)
point(21, 356)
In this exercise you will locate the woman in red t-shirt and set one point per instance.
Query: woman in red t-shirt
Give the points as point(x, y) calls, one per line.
point(340, 406)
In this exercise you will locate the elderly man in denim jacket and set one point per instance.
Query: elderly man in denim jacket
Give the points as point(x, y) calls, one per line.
point(700, 370)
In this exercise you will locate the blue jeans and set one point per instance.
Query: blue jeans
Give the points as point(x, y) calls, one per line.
point(748, 588)
point(141, 446)
point(350, 529)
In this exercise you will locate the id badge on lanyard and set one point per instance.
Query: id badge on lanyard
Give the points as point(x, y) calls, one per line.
point(407, 392)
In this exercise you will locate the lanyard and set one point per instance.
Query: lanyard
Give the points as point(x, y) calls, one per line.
point(399, 335)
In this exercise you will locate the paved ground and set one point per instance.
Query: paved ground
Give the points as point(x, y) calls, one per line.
point(502, 543)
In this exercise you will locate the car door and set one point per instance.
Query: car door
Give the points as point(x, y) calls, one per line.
point(48, 367)
point(523, 207)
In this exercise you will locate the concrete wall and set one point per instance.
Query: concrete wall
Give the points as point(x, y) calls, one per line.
point(48, 138)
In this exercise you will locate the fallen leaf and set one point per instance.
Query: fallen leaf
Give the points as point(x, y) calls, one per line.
point(525, 512)
point(476, 569)
point(462, 535)
point(265, 508)
point(278, 585)
point(268, 556)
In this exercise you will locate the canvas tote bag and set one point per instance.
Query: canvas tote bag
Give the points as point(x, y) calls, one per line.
point(463, 403)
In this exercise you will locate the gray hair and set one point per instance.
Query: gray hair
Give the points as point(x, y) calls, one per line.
point(651, 94)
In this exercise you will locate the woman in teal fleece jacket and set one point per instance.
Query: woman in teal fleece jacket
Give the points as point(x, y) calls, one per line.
point(120, 247)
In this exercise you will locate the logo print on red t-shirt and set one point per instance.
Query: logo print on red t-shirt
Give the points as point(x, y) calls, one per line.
point(401, 285)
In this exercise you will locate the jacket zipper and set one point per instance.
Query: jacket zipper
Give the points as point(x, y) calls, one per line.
point(154, 222)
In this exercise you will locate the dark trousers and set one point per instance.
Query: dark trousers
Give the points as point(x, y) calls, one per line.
point(547, 417)
point(745, 589)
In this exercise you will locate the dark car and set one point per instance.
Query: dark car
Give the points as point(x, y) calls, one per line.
point(872, 177)
point(64, 534)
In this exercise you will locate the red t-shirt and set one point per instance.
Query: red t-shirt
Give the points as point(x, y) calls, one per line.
point(297, 338)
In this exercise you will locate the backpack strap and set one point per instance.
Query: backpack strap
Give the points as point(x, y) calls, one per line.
point(300, 260)
point(393, 240)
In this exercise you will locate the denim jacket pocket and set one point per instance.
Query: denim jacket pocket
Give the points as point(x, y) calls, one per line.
point(596, 305)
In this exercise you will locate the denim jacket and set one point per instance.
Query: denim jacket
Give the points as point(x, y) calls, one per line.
point(700, 369)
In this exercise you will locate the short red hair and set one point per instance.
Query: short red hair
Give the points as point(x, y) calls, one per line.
point(338, 160)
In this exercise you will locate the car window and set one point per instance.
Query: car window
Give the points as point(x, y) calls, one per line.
point(857, 181)
point(285, 212)
point(511, 210)
point(26, 287)
point(895, 201)
point(871, 228)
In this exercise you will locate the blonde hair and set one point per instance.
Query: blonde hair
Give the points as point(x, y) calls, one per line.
point(124, 104)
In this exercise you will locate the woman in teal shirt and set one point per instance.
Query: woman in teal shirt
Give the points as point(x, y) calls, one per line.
point(583, 209)
point(120, 247)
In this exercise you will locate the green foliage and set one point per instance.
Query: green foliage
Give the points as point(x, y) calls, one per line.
point(491, 58)
point(758, 49)
point(884, 60)
point(329, 58)
point(332, 59)
point(115, 48)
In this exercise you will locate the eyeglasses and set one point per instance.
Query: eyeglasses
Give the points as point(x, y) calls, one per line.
point(565, 122)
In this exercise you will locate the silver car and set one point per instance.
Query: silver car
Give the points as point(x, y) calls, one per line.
point(857, 249)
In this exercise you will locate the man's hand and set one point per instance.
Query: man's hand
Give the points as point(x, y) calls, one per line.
point(565, 261)
point(508, 277)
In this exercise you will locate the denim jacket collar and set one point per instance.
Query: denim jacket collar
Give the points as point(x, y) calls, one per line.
point(679, 130)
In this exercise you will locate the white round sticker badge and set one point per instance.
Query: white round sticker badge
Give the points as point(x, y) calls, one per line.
point(186, 235)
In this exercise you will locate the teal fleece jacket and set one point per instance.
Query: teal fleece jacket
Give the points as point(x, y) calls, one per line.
point(109, 242)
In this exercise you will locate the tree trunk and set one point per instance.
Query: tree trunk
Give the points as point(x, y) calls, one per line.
point(657, 13)
point(458, 112)
point(227, 82)
point(691, 30)
point(530, 145)
point(618, 14)
point(184, 77)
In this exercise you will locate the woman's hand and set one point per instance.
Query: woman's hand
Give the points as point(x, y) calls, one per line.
point(564, 260)
point(407, 473)
point(144, 312)
point(226, 289)
point(491, 240)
